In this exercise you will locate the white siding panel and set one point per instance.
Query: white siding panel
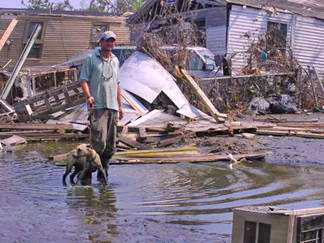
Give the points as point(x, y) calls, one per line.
point(216, 39)
point(309, 43)
point(216, 19)
point(245, 26)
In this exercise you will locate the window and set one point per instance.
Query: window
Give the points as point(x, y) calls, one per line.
point(251, 229)
point(36, 50)
point(310, 229)
point(276, 37)
point(249, 232)
point(264, 233)
point(195, 62)
point(96, 31)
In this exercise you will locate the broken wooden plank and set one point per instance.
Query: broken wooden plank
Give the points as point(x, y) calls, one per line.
point(156, 154)
point(142, 134)
point(188, 148)
point(133, 102)
point(205, 100)
point(296, 129)
point(13, 140)
point(132, 143)
point(8, 32)
point(174, 140)
point(57, 137)
point(40, 126)
point(290, 133)
point(190, 159)
point(303, 125)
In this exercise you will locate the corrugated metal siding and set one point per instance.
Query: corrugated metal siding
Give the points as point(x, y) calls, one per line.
point(245, 26)
point(309, 43)
point(64, 37)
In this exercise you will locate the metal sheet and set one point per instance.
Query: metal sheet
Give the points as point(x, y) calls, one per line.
point(145, 77)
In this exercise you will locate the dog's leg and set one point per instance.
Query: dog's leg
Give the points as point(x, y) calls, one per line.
point(103, 172)
point(105, 165)
point(77, 170)
point(67, 171)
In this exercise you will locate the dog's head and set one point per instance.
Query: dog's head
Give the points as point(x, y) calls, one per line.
point(83, 150)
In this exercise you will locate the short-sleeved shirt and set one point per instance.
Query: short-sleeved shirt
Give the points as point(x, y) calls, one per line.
point(102, 77)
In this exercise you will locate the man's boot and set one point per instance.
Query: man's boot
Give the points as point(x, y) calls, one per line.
point(105, 165)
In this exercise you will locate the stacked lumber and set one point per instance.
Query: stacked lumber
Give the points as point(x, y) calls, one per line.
point(173, 133)
point(305, 129)
point(40, 132)
point(171, 155)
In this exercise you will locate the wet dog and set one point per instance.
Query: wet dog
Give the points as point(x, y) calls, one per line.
point(84, 159)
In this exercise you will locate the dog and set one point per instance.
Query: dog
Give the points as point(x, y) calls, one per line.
point(84, 159)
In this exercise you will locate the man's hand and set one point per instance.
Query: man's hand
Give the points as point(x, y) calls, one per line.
point(91, 101)
point(120, 113)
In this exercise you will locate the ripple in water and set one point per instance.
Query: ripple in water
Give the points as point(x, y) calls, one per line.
point(176, 203)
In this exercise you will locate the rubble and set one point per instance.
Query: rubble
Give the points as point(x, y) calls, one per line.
point(164, 106)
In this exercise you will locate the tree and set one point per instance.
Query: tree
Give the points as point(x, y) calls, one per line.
point(115, 7)
point(65, 5)
point(46, 4)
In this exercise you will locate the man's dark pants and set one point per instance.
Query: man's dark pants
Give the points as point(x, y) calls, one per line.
point(103, 133)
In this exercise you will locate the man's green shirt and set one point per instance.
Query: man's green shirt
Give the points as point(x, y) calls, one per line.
point(102, 77)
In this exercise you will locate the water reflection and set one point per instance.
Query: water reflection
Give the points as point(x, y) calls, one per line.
point(150, 203)
point(97, 204)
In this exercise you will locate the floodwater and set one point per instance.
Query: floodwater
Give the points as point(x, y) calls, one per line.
point(144, 203)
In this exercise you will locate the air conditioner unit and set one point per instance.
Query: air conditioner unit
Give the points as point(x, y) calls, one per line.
point(273, 225)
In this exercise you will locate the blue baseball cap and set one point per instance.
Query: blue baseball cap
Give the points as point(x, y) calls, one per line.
point(107, 35)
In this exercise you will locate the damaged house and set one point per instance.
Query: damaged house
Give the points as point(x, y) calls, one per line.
point(63, 37)
point(230, 27)
point(64, 34)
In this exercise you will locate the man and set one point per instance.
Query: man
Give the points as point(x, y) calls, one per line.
point(99, 83)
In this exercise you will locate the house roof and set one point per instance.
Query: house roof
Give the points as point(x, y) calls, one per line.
point(51, 12)
point(308, 8)
point(20, 12)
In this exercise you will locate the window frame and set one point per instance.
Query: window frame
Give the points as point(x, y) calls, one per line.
point(93, 43)
point(38, 41)
point(280, 24)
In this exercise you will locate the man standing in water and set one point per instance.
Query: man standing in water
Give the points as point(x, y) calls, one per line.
point(99, 83)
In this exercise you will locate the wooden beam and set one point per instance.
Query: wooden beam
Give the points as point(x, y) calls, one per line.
point(26, 126)
point(8, 32)
point(193, 158)
point(132, 143)
point(189, 159)
point(203, 97)
point(20, 62)
point(290, 133)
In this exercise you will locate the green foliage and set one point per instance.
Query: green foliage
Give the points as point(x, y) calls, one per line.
point(136, 4)
point(46, 4)
point(116, 7)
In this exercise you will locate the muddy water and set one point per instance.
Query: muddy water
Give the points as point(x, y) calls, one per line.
point(143, 203)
